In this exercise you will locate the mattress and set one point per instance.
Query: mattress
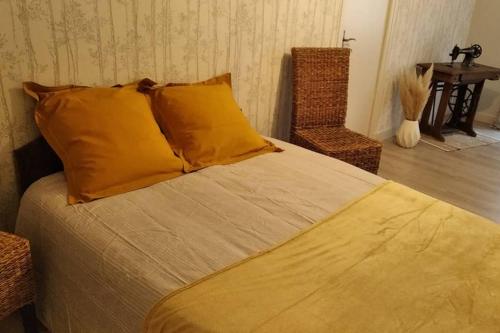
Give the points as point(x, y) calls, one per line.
point(101, 266)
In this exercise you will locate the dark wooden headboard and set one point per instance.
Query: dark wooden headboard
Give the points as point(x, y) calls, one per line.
point(34, 161)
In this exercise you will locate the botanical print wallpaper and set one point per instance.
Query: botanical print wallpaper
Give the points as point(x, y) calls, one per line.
point(103, 42)
point(417, 31)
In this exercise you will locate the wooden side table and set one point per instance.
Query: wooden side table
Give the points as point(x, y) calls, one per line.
point(17, 290)
point(454, 77)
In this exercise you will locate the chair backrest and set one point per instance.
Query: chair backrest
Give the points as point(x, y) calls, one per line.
point(320, 79)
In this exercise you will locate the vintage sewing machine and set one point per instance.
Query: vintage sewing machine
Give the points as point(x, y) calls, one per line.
point(470, 54)
point(461, 86)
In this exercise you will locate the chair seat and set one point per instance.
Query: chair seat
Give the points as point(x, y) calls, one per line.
point(341, 143)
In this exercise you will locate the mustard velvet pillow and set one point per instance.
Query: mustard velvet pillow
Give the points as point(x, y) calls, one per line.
point(223, 78)
point(205, 126)
point(107, 139)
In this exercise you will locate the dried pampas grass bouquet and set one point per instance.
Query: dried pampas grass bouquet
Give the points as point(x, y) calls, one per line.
point(414, 91)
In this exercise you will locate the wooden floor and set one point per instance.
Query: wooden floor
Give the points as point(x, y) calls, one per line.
point(467, 178)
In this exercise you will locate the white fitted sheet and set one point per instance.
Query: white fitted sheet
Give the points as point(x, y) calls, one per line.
point(102, 265)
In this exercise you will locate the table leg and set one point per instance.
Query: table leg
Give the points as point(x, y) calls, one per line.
point(468, 126)
point(424, 120)
point(29, 318)
point(443, 105)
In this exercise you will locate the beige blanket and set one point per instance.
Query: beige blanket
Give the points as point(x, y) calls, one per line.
point(394, 261)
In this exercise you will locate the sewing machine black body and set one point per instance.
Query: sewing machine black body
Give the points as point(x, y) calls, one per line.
point(470, 54)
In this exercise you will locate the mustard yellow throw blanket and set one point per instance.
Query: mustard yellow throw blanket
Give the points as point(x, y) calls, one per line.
point(395, 260)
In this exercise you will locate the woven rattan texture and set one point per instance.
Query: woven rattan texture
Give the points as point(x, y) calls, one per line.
point(16, 275)
point(320, 82)
point(320, 78)
point(343, 144)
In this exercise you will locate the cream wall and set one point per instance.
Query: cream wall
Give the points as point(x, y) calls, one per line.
point(96, 42)
point(485, 31)
point(416, 31)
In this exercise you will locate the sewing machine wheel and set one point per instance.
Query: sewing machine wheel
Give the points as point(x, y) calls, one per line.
point(477, 50)
point(467, 100)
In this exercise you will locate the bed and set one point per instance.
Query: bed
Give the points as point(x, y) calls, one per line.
point(101, 266)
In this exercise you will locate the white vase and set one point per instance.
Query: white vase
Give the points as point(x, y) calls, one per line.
point(408, 134)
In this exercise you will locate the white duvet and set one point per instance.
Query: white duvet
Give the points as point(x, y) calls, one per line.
point(102, 265)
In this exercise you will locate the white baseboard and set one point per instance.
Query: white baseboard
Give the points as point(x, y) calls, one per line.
point(481, 117)
point(385, 134)
point(484, 117)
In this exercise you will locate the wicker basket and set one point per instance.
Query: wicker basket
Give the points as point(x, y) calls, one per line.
point(320, 81)
point(16, 275)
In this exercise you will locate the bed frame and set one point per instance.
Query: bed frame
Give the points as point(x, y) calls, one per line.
point(34, 161)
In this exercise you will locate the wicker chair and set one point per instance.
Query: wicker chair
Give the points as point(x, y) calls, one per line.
point(320, 80)
point(16, 280)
